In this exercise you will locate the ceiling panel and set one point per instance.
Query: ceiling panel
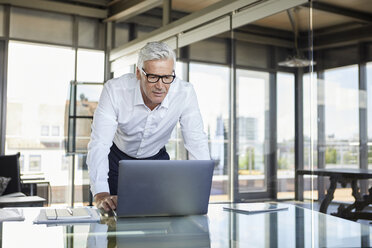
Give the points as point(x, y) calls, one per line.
point(191, 5)
point(358, 5)
point(320, 20)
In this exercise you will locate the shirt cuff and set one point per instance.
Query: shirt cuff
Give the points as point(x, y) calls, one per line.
point(99, 187)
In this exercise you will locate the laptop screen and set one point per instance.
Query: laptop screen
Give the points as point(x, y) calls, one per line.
point(164, 187)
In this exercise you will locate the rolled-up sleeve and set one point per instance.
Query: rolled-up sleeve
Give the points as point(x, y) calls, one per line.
point(196, 141)
point(103, 130)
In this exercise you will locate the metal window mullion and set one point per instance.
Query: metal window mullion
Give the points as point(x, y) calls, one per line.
point(233, 145)
point(363, 115)
point(299, 134)
point(110, 37)
point(3, 92)
point(4, 47)
point(75, 42)
point(321, 132)
point(271, 162)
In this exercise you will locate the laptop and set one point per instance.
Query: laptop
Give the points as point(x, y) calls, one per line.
point(164, 187)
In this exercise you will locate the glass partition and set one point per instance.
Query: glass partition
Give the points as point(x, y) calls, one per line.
point(252, 104)
point(208, 78)
point(285, 135)
point(341, 97)
point(38, 79)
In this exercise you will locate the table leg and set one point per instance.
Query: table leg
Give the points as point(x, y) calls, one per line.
point(357, 206)
point(329, 197)
point(31, 189)
point(355, 188)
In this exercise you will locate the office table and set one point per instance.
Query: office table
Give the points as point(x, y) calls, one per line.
point(345, 176)
point(294, 227)
point(21, 201)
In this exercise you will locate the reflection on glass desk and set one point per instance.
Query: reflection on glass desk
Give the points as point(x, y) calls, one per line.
point(162, 232)
point(295, 227)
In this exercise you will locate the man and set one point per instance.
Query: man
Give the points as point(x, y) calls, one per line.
point(135, 118)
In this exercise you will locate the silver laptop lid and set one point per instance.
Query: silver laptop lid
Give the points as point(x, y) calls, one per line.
point(164, 187)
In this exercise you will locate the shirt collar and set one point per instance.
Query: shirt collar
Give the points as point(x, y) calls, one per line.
point(165, 102)
point(138, 100)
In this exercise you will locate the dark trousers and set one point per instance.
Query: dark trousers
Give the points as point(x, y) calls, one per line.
point(116, 155)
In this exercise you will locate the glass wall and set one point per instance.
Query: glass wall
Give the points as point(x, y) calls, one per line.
point(39, 79)
point(341, 95)
point(38, 85)
point(175, 147)
point(285, 135)
point(247, 81)
point(252, 104)
point(87, 94)
point(208, 78)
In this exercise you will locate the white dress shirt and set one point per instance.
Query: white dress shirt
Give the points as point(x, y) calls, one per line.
point(123, 118)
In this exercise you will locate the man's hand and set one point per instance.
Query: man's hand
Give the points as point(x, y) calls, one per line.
point(106, 201)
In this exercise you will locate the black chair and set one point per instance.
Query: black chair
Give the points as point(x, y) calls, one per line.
point(9, 167)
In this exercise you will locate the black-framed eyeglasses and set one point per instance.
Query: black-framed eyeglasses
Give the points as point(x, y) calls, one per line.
point(153, 78)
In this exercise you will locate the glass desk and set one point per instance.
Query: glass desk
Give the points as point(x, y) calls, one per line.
point(294, 227)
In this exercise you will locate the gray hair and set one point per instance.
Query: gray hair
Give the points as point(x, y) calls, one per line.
point(155, 51)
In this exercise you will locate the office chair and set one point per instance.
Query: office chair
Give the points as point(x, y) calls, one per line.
point(9, 167)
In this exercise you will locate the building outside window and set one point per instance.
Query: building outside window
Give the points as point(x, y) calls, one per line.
point(35, 163)
point(33, 67)
point(285, 135)
point(55, 131)
point(207, 78)
point(44, 130)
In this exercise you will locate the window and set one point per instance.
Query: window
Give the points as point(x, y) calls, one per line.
point(22, 163)
point(55, 130)
point(310, 89)
point(175, 147)
point(44, 130)
point(35, 163)
point(43, 72)
point(342, 134)
point(285, 134)
point(65, 162)
point(214, 110)
point(252, 100)
point(90, 66)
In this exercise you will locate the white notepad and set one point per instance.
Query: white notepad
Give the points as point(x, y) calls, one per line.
point(61, 215)
point(67, 213)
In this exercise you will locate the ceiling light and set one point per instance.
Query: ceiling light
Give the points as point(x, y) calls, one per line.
point(295, 61)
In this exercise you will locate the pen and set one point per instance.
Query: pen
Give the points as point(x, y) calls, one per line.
point(113, 212)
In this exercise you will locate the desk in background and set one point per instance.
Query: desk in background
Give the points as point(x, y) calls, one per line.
point(21, 201)
point(295, 227)
point(30, 183)
point(345, 176)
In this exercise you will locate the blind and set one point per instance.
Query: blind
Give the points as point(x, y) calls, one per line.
point(91, 33)
point(41, 26)
point(2, 21)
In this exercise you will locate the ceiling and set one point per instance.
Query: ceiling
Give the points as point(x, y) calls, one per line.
point(332, 21)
